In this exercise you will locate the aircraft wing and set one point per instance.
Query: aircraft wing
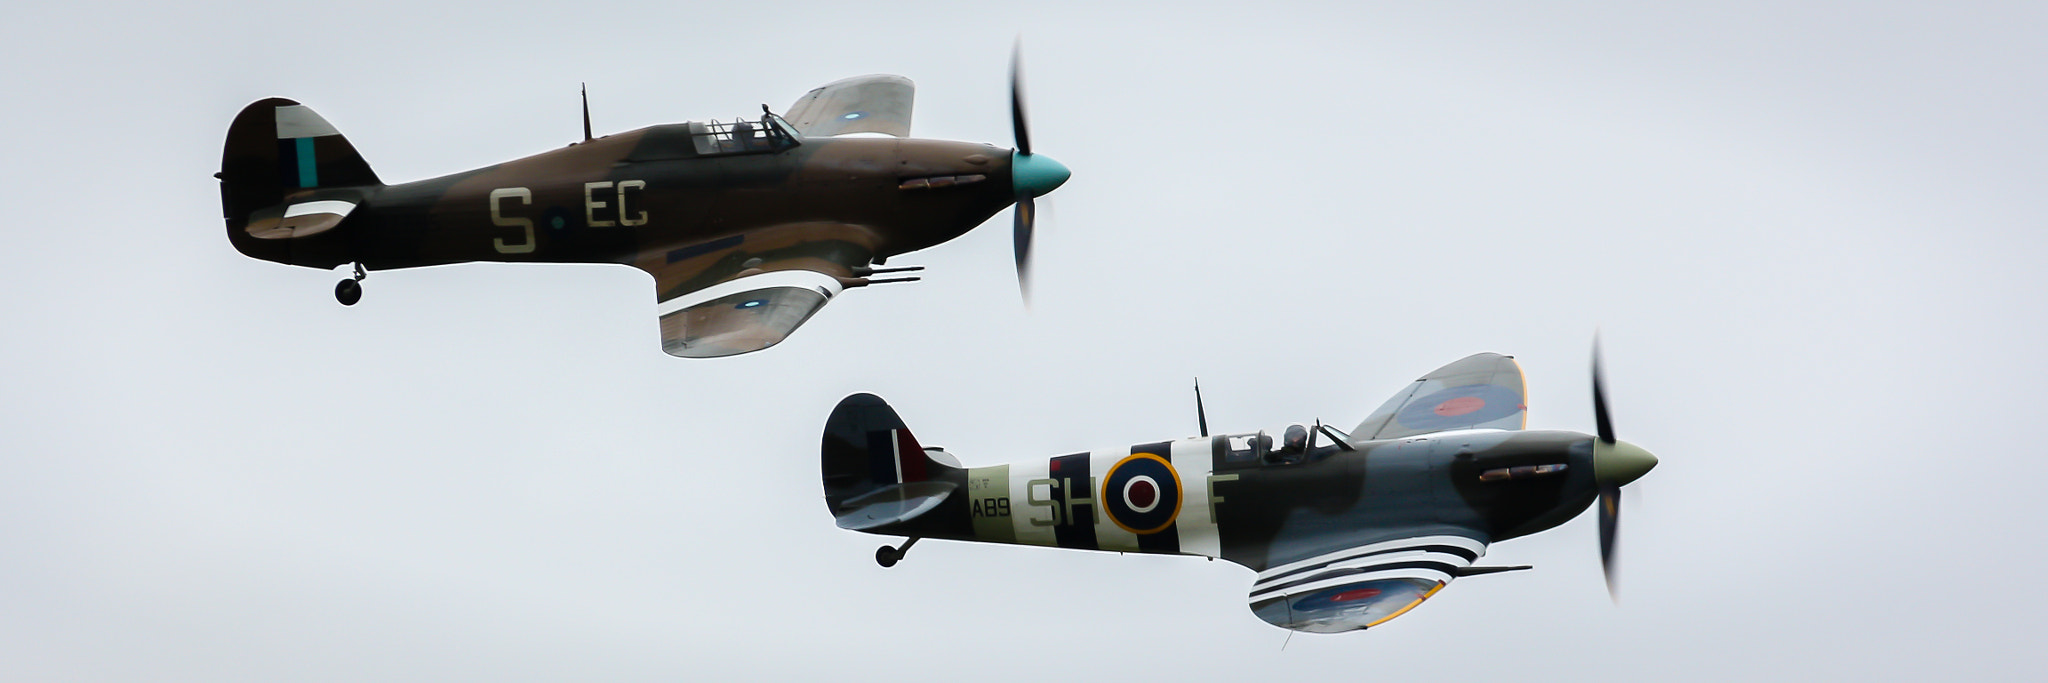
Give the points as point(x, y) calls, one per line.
point(747, 292)
point(862, 104)
point(1365, 585)
point(1480, 391)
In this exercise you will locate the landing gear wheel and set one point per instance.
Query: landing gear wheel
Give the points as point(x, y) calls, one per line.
point(348, 292)
point(888, 556)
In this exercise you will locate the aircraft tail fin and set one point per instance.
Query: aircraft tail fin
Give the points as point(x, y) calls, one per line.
point(875, 473)
point(287, 179)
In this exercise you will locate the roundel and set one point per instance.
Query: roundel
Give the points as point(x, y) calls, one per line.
point(1471, 404)
point(557, 218)
point(1142, 494)
point(1383, 594)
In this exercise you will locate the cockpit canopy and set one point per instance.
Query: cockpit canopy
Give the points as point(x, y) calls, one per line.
point(768, 134)
point(698, 139)
point(1294, 445)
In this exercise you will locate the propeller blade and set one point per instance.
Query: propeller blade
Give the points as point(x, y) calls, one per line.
point(1616, 463)
point(1025, 215)
point(1018, 130)
point(1031, 175)
point(1610, 523)
point(1603, 425)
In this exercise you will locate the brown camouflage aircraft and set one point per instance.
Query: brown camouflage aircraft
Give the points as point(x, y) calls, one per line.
point(748, 227)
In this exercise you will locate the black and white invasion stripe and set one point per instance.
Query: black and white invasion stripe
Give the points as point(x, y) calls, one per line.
point(1430, 558)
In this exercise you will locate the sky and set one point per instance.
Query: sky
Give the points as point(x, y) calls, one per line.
point(1809, 235)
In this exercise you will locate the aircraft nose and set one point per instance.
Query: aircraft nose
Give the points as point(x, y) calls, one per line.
point(1621, 463)
point(1033, 175)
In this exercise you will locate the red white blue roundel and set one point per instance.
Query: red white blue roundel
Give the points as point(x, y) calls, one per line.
point(1383, 595)
point(1142, 494)
point(1472, 404)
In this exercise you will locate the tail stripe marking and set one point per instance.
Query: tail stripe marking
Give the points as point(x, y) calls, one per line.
point(299, 124)
point(909, 457)
point(896, 452)
point(309, 171)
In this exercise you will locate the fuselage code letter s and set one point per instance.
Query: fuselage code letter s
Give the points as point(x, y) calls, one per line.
point(498, 218)
point(605, 204)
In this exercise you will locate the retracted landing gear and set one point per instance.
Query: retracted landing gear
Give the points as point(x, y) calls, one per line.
point(887, 555)
point(350, 291)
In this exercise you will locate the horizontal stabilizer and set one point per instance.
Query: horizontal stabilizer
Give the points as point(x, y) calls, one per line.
point(301, 219)
point(891, 504)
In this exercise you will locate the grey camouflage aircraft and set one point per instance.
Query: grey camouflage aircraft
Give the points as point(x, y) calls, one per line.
point(748, 227)
point(1345, 534)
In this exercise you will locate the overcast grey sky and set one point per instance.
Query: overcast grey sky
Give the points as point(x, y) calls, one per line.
point(1812, 234)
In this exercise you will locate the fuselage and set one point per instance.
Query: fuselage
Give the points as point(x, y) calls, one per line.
point(1238, 498)
point(677, 191)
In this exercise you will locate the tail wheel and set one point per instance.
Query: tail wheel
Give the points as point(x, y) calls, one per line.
point(350, 291)
point(887, 556)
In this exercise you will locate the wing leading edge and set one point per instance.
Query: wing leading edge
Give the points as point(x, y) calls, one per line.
point(1480, 391)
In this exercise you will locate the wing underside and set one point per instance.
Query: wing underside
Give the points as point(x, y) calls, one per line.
point(743, 315)
point(1363, 586)
point(862, 104)
point(747, 292)
point(1481, 391)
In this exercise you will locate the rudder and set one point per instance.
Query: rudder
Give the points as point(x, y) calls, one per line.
point(287, 179)
point(875, 473)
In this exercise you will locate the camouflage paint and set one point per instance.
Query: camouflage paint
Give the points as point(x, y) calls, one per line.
point(1343, 537)
point(692, 204)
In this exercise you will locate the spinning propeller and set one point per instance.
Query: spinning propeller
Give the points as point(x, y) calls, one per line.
point(1031, 175)
point(1615, 463)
